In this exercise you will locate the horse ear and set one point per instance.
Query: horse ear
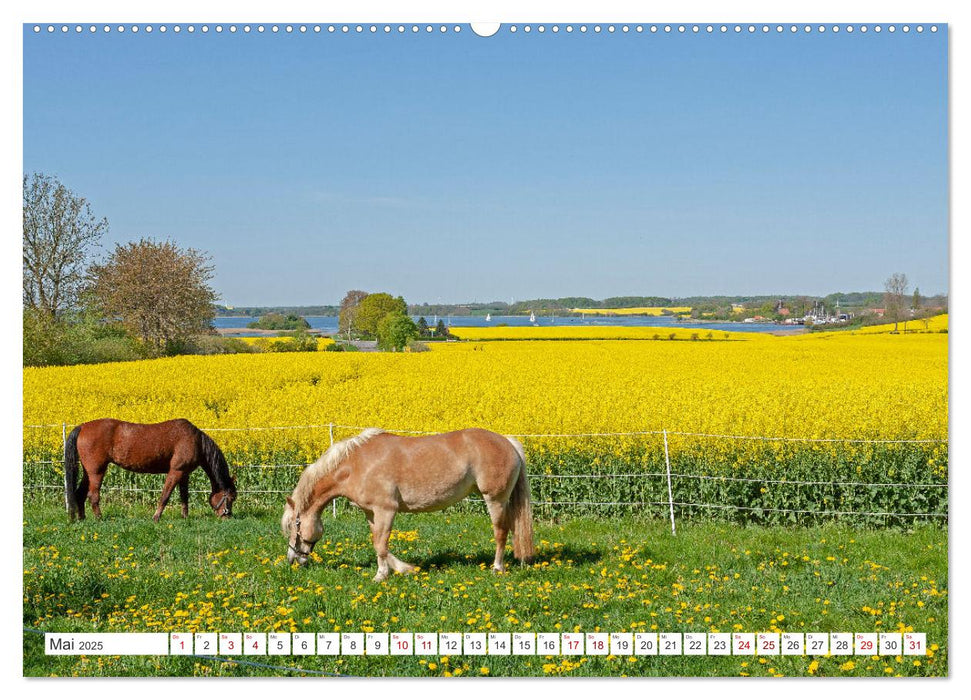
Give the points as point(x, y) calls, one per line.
point(291, 503)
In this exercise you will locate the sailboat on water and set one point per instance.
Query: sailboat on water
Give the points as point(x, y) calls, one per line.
point(488, 317)
point(532, 317)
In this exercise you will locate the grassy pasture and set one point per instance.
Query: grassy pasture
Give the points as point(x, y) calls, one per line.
point(126, 573)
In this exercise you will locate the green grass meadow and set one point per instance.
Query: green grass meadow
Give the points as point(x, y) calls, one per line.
point(612, 574)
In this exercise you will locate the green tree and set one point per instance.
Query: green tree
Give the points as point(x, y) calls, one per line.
point(441, 331)
point(422, 327)
point(158, 291)
point(373, 308)
point(60, 232)
point(280, 322)
point(394, 332)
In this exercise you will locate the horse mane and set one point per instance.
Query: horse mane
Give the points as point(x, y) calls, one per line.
point(215, 465)
point(328, 462)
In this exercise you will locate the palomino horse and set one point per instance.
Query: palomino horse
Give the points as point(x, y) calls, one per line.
point(174, 448)
point(383, 474)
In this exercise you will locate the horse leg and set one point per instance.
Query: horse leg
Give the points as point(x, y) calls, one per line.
point(171, 479)
point(380, 522)
point(94, 491)
point(93, 463)
point(81, 493)
point(184, 494)
point(400, 567)
point(499, 513)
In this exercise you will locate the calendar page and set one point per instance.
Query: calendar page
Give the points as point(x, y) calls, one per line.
point(524, 349)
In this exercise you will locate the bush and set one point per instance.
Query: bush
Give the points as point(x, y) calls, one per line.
point(395, 331)
point(417, 346)
point(75, 340)
point(342, 347)
point(298, 342)
point(110, 350)
point(279, 322)
point(215, 345)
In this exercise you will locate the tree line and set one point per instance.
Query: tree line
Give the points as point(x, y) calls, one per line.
point(149, 298)
point(384, 318)
point(144, 299)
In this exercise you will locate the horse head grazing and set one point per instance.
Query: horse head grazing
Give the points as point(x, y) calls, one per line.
point(217, 469)
point(302, 533)
point(301, 517)
point(222, 501)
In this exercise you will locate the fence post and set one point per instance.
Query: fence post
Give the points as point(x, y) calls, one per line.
point(667, 461)
point(67, 486)
point(333, 504)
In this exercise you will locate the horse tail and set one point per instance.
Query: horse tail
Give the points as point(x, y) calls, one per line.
point(71, 473)
point(521, 510)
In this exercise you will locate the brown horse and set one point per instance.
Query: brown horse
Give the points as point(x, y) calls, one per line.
point(383, 474)
point(174, 448)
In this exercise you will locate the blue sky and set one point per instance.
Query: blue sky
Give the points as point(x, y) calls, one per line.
point(458, 168)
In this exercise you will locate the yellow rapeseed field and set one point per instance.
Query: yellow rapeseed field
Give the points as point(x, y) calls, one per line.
point(841, 385)
point(322, 342)
point(685, 332)
point(934, 324)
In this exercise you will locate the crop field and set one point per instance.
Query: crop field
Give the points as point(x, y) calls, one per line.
point(934, 324)
point(266, 342)
point(125, 573)
point(687, 332)
point(809, 483)
point(755, 428)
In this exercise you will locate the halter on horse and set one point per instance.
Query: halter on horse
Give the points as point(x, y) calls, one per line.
point(174, 448)
point(383, 474)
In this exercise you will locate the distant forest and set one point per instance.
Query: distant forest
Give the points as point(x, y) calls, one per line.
point(562, 306)
point(257, 311)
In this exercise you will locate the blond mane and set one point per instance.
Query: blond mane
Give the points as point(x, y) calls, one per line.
point(328, 462)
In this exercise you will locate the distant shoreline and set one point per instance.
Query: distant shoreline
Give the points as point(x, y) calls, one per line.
point(262, 333)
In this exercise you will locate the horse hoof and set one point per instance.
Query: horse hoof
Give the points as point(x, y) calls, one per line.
point(378, 578)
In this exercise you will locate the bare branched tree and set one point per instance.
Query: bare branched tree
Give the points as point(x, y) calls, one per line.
point(348, 311)
point(893, 298)
point(60, 233)
point(158, 291)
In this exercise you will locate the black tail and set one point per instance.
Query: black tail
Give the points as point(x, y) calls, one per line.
point(71, 473)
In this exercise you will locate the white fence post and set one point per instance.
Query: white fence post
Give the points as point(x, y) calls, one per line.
point(67, 486)
point(333, 504)
point(667, 461)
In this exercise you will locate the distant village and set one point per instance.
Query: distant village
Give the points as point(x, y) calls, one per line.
point(822, 314)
